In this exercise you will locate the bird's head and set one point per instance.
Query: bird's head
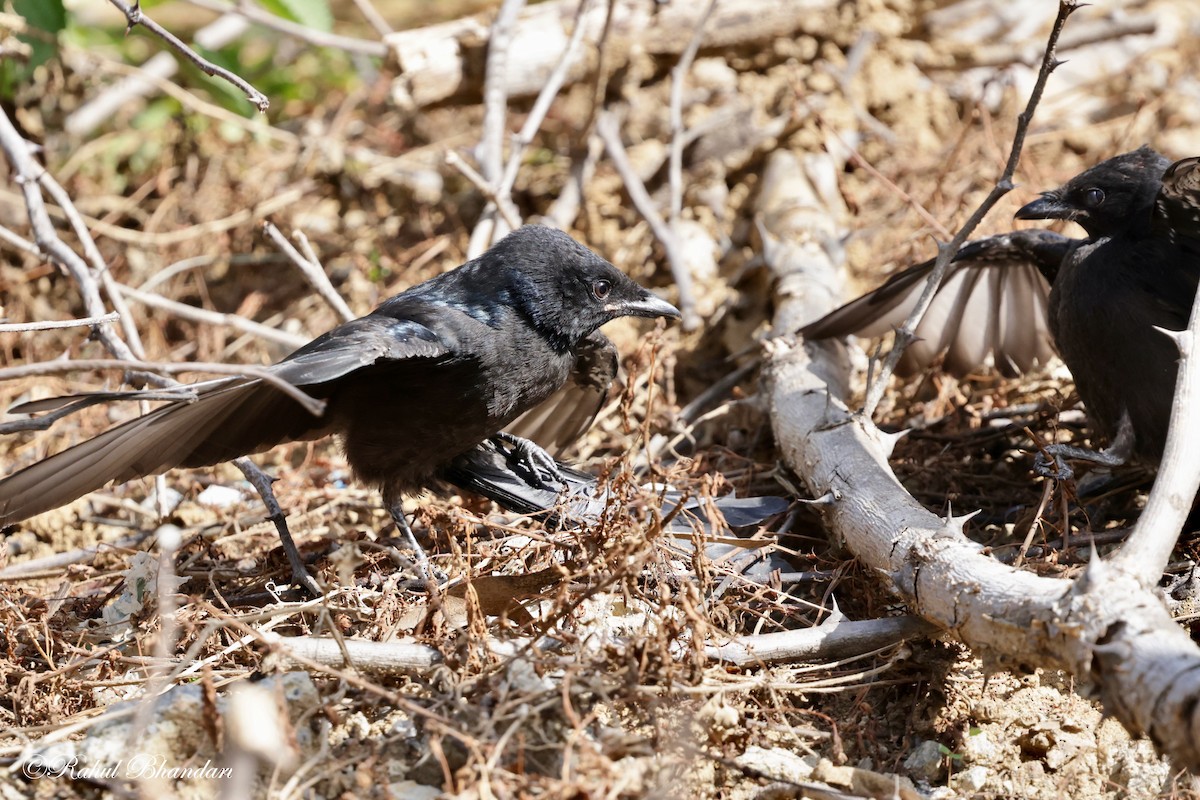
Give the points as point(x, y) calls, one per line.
point(1112, 197)
point(565, 289)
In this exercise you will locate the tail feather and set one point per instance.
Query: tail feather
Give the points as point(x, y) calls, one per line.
point(233, 418)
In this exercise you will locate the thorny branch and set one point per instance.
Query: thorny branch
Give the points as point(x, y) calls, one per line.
point(135, 17)
point(946, 252)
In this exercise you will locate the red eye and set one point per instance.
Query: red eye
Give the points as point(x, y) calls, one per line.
point(601, 289)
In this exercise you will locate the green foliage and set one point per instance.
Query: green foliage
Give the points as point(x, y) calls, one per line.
point(313, 14)
point(948, 753)
point(295, 84)
point(46, 18)
point(47, 15)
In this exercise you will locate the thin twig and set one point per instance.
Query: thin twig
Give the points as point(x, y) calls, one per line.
point(678, 77)
point(495, 91)
point(453, 159)
point(495, 113)
point(213, 317)
point(609, 130)
point(310, 404)
point(522, 140)
point(59, 561)
point(134, 16)
point(148, 239)
point(905, 335)
point(195, 262)
point(99, 265)
point(141, 80)
point(321, 39)
point(19, 243)
point(25, 171)
point(310, 267)
point(372, 16)
point(26, 327)
point(912, 202)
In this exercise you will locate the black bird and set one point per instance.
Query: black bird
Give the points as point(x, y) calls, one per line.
point(426, 376)
point(1099, 299)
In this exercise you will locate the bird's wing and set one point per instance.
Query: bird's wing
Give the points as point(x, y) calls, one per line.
point(357, 344)
point(81, 400)
point(229, 417)
point(558, 422)
point(1177, 206)
point(993, 300)
point(144, 446)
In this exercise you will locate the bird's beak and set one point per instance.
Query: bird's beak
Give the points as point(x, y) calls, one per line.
point(1048, 206)
point(648, 306)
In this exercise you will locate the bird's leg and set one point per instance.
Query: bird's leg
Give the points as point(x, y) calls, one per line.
point(1116, 454)
point(261, 482)
point(536, 462)
point(396, 509)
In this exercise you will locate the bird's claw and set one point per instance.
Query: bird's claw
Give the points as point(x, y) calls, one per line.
point(1052, 465)
point(1057, 453)
point(537, 465)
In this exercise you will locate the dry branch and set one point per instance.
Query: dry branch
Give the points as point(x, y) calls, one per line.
point(444, 61)
point(25, 327)
point(1110, 628)
point(135, 17)
point(266, 19)
point(375, 657)
point(829, 641)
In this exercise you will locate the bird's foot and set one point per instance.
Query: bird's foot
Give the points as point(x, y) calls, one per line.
point(538, 465)
point(1052, 462)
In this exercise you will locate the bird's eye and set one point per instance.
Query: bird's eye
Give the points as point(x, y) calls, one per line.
point(601, 289)
point(1093, 197)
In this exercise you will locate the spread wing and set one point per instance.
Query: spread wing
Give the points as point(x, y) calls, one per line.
point(228, 418)
point(992, 301)
point(561, 419)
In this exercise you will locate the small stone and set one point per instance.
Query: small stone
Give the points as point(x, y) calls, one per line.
point(926, 762)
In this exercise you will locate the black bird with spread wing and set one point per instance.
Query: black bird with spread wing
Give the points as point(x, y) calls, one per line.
point(1098, 300)
point(425, 377)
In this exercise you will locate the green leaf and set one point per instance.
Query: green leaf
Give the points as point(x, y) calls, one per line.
point(313, 14)
point(46, 15)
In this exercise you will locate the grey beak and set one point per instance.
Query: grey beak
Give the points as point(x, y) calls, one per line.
point(1048, 206)
point(648, 306)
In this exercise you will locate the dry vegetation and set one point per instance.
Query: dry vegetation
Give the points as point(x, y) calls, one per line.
point(598, 682)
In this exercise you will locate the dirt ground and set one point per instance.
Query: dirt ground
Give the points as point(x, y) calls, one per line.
point(598, 682)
